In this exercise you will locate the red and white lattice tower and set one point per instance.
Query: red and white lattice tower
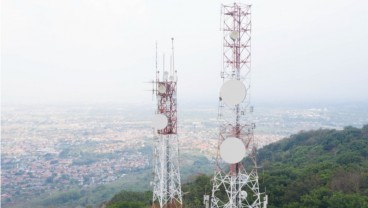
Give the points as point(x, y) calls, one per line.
point(166, 183)
point(235, 182)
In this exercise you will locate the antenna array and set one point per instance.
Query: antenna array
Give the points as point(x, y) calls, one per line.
point(166, 183)
point(236, 184)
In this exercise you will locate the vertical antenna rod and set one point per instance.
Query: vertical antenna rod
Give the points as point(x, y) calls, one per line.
point(156, 57)
point(172, 51)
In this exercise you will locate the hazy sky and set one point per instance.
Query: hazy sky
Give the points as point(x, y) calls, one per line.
point(95, 50)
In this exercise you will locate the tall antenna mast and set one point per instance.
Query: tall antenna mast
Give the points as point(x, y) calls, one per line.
point(239, 179)
point(166, 181)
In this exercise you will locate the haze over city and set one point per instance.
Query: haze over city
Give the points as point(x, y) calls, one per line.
point(102, 51)
point(77, 103)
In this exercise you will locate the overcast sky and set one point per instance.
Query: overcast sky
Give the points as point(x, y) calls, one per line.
point(102, 51)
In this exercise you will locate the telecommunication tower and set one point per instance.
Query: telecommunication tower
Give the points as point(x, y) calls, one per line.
point(166, 181)
point(235, 183)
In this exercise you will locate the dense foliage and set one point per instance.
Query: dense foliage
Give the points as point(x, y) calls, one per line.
point(129, 199)
point(193, 192)
point(321, 168)
point(192, 195)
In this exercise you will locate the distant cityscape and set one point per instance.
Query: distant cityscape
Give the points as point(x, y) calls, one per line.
point(55, 148)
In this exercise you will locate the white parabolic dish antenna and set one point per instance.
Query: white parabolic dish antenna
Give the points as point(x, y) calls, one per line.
point(159, 121)
point(232, 150)
point(233, 92)
point(161, 88)
point(234, 35)
point(243, 194)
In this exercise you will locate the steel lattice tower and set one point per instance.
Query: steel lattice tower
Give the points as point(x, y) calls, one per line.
point(236, 184)
point(166, 184)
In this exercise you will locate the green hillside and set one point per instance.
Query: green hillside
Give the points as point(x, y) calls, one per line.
point(321, 168)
